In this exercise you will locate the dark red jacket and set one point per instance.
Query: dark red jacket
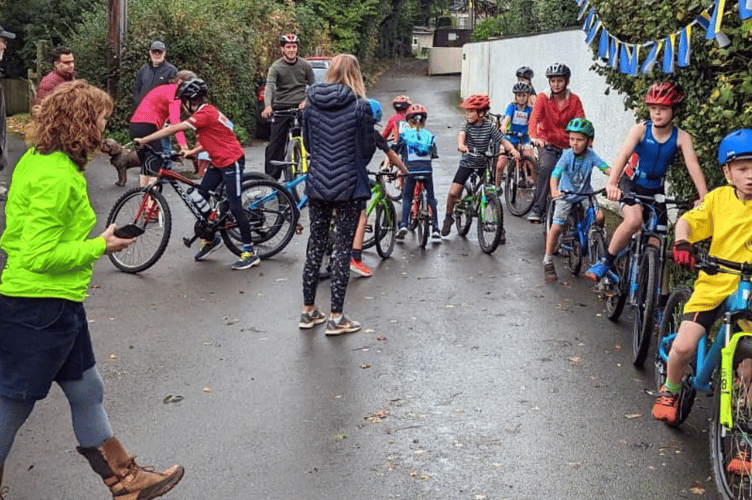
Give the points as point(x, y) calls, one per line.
point(49, 82)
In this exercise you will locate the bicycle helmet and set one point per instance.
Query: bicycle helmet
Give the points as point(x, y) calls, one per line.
point(664, 94)
point(558, 69)
point(479, 102)
point(582, 126)
point(289, 38)
point(735, 146)
point(401, 102)
point(525, 72)
point(416, 110)
point(191, 89)
point(521, 88)
point(376, 109)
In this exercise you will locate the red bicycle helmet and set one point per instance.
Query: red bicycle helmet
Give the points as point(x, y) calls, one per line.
point(289, 38)
point(416, 110)
point(478, 102)
point(664, 94)
point(401, 102)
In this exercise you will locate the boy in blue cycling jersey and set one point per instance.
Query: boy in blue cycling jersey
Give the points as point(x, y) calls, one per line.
point(656, 142)
point(418, 148)
point(515, 120)
point(572, 173)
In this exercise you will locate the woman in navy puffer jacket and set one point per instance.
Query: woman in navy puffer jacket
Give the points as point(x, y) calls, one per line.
point(339, 135)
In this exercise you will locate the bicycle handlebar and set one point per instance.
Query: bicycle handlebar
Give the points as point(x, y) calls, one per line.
point(711, 264)
point(632, 198)
point(173, 155)
point(287, 112)
point(592, 193)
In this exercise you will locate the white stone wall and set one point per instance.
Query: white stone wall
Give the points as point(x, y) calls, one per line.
point(444, 60)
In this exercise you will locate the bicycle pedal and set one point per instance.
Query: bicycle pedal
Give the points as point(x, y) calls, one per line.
point(189, 241)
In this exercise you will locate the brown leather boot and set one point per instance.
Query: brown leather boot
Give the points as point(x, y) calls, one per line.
point(126, 479)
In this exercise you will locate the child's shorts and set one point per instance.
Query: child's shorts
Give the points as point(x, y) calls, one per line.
point(704, 318)
point(463, 174)
point(562, 209)
point(41, 340)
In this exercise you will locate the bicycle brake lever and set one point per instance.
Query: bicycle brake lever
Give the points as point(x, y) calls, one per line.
point(189, 241)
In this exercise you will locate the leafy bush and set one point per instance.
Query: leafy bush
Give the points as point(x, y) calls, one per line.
point(526, 17)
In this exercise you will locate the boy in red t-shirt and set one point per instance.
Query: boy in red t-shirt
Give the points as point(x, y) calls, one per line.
point(215, 135)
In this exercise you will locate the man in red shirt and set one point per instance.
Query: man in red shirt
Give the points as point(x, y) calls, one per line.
point(63, 70)
point(547, 130)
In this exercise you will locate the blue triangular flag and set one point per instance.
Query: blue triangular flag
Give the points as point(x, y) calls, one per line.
point(583, 8)
point(614, 61)
point(715, 20)
point(668, 54)
point(685, 43)
point(589, 19)
point(745, 9)
point(633, 61)
point(603, 45)
point(593, 31)
point(703, 20)
point(624, 59)
point(652, 57)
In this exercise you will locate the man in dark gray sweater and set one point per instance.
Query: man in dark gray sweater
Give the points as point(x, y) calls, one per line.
point(286, 84)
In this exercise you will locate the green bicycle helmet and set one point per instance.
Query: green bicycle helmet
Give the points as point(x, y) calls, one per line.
point(582, 126)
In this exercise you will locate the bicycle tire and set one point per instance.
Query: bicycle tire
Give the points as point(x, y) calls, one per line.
point(490, 222)
point(519, 193)
point(548, 222)
point(272, 221)
point(133, 208)
point(414, 217)
point(596, 244)
point(463, 211)
point(294, 155)
point(672, 318)
point(424, 221)
point(724, 443)
point(391, 190)
point(647, 298)
point(369, 239)
point(616, 293)
point(386, 228)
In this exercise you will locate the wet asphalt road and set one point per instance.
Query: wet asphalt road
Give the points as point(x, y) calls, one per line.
point(471, 379)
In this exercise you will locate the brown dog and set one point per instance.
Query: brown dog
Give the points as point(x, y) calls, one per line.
point(121, 158)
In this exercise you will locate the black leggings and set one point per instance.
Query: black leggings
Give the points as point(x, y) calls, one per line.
point(233, 177)
point(347, 217)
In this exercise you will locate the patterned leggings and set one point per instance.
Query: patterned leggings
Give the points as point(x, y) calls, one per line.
point(347, 214)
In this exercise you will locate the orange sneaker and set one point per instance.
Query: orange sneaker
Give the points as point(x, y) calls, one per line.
point(740, 464)
point(666, 407)
point(359, 268)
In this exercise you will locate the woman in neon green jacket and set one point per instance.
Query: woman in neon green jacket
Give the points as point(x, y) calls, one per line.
point(44, 334)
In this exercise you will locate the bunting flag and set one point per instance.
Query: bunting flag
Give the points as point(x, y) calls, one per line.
point(745, 9)
point(682, 57)
point(624, 57)
point(589, 20)
point(715, 20)
point(603, 45)
point(703, 20)
point(652, 57)
point(613, 53)
point(634, 60)
point(583, 8)
point(668, 54)
point(593, 32)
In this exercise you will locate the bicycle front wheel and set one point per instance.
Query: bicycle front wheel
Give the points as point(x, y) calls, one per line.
point(386, 229)
point(294, 169)
point(463, 211)
point(615, 291)
point(519, 194)
point(150, 211)
point(272, 215)
point(647, 296)
point(730, 447)
point(490, 221)
point(393, 185)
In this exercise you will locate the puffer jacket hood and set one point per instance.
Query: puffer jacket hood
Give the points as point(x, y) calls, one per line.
point(330, 96)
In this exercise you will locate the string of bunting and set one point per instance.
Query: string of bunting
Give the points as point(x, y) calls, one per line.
point(626, 57)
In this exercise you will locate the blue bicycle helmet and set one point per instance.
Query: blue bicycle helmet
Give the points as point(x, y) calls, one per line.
point(376, 109)
point(736, 145)
point(582, 126)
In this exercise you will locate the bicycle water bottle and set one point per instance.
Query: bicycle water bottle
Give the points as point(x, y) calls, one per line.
point(199, 200)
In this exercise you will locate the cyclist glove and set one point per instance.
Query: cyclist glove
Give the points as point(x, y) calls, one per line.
point(683, 253)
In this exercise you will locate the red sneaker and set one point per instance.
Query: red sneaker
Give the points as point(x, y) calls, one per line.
point(666, 407)
point(359, 268)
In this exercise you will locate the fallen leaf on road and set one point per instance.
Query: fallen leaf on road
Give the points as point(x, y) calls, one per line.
point(172, 399)
point(229, 321)
point(207, 389)
point(575, 360)
point(113, 356)
point(365, 366)
point(381, 337)
point(697, 490)
point(368, 330)
point(632, 415)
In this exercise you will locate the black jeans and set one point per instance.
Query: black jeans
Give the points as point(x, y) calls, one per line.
point(275, 150)
point(548, 156)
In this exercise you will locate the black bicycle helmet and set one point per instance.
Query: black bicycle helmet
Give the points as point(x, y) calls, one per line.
point(525, 72)
point(522, 88)
point(191, 89)
point(558, 69)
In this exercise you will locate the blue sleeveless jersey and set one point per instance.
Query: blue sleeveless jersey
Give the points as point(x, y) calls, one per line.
point(655, 158)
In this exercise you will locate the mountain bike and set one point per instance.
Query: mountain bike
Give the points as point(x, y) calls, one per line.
point(480, 199)
point(637, 276)
point(269, 207)
point(722, 365)
point(296, 156)
point(381, 226)
point(421, 213)
point(581, 240)
point(519, 185)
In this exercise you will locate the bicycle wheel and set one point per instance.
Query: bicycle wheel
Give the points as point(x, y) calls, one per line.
point(727, 444)
point(574, 257)
point(151, 212)
point(615, 291)
point(596, 244)
point(393, 186)
point(463, 211)
point(519, 193)
point(490, 221)
point(294, 155)
point(272, 215)
point(672, 318)
point(369, 239)
point(424, 221)
point(647, 298)
point(386, 228)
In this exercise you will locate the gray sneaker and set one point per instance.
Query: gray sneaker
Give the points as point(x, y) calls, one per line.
point(341, 325)
point(247, 260)
point(311, 319)
point(208, 247)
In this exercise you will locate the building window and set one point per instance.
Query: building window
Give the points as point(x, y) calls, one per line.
point(415, 41)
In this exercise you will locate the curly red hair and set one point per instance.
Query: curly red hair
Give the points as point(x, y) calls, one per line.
point(67, 121)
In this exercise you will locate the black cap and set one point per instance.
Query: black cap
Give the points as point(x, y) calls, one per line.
point(157, 45)
point(6, 34)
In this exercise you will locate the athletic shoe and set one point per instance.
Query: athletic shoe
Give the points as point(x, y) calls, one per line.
point(436, 236)
point(247, 260)
point(597, 270)
point(311, 319)
point(534, 216)
point(401, 234)
point(208, 247)
point(549, 271)
point(341, 325)
point(447, 227)
point(740, 464)
point(666, 407)
point(359, 268)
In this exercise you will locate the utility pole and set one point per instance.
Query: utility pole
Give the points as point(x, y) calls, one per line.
point(117, 28)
